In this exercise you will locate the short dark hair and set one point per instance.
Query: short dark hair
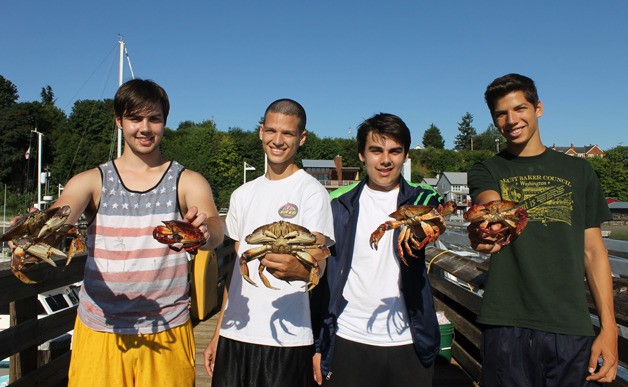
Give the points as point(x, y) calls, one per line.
point(507, 84)
point(385, 125)
point(137, 95)
point(288, 107)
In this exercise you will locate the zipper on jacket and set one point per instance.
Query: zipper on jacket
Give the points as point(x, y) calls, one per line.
point(328, 376)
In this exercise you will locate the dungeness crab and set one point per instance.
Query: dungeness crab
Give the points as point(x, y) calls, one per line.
point(178, 235)
point(282, 238)
point(34, 237)
point(420, 225)
point(511, 218)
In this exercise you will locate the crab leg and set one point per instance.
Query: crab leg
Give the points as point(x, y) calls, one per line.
point(263, 277)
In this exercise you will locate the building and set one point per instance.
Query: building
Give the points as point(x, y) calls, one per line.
point(331, 173)
point(453, 186)
point(580, 151)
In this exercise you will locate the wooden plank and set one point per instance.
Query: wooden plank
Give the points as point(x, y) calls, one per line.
point(25, 359)
point(33, 332)
point(52, 374)
point(461, 296)
point(12, 289)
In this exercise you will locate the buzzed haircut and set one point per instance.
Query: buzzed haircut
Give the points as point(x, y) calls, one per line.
point(138, 95)
point(384, 125)
point(288, 107)
point(507, 84)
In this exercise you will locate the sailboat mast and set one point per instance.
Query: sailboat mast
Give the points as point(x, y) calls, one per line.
point(120, 78)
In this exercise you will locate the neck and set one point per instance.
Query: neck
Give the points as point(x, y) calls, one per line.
point(141, 161)
point(526, 151)
point(278, 172)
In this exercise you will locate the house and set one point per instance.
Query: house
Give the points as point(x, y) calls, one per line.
point(580, 151)
point(431, 181)
point(331, 173)
point(453, 186)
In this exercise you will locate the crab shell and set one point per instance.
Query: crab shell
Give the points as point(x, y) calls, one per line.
point(179, 235)
point(282, 238)
point(420, 225)
point(35, 236)
point(511, 218)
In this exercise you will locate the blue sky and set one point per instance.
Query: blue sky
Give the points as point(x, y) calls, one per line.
point(426, 61)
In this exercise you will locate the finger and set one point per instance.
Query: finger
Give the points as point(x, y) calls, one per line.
point(191, 213)
point(199, 219)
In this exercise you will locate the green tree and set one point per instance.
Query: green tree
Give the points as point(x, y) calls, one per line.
point(465, 137)
point(8, 93)
point(47, 96)
point(489, 140)
point(612, 170)
point(437, 161)
point(88, 139)
point(432, 138)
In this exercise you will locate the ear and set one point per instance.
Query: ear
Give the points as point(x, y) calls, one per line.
point(361, 157)
point(539, 109)
point(118, 122)
point(303, 137)
point(261, 130)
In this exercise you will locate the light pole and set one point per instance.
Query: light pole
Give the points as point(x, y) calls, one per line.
point(247, 167)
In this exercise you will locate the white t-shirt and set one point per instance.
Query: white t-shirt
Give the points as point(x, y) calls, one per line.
point(260, 315)
point(376, 313)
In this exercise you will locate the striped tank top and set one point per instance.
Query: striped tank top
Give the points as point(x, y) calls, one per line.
point(134, 284)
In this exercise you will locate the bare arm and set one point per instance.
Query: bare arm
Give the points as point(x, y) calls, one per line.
point(82, 194)
point(598, 272)
point(209, 355)
point(197, 203)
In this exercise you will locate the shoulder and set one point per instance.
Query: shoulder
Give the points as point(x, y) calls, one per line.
point(335, 194)
point(91, 176)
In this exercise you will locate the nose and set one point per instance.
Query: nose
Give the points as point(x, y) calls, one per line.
point(385, 159)
point(511, 117)
point(278, 139)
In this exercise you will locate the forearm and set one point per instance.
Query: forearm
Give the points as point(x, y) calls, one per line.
point(599, 279)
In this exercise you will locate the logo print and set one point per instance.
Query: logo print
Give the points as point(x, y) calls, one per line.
point(288, 211)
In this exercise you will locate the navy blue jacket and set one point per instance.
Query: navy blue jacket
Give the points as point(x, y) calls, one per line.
point(327, 302)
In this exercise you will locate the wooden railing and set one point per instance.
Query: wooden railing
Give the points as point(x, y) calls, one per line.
point(27, 332)
point(461, 303)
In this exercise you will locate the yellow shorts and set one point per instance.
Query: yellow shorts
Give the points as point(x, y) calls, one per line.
point(109, 359)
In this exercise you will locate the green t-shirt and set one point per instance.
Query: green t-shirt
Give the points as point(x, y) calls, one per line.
point(537, 282)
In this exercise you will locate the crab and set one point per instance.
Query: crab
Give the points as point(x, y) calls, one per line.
point(179, 235)
point(420, 225)
point(282, 238)
point(35, 236)
point(511, 218)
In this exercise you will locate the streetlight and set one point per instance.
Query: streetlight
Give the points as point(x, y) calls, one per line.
point(247, 167)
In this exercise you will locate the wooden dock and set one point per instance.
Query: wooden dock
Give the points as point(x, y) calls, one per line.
point(446, 374)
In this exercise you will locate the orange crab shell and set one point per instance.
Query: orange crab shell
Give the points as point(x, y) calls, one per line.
point(512, 219)
point(179, 235)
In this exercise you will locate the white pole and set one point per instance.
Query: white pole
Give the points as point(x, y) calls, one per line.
point(39, 141)
point(244, 170)
point(120, 78)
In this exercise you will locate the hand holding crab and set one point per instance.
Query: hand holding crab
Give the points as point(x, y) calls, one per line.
point(498, 222)
point(178, 235)
point(420, 225)
point(34, 237)
point(282, 238)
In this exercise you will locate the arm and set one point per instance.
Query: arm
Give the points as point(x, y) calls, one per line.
point(197, 203)
point(600, 282)
point(479, 243)
point(209, 355)
point(82, 194)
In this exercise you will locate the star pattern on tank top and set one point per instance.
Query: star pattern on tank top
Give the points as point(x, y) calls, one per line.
point(118, 200)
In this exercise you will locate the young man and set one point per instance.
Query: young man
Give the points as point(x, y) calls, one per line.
point(133, 326)
point(539, 331)
point(264, 336)
point(374, 314)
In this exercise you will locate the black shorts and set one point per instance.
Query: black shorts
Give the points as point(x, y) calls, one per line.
point(240, 364)
point(513, 356)
point(361, 365)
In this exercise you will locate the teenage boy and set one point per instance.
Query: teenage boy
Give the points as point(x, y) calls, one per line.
point(538, 328)
point(133, 326)
point(375, 318)
point(263, 335)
